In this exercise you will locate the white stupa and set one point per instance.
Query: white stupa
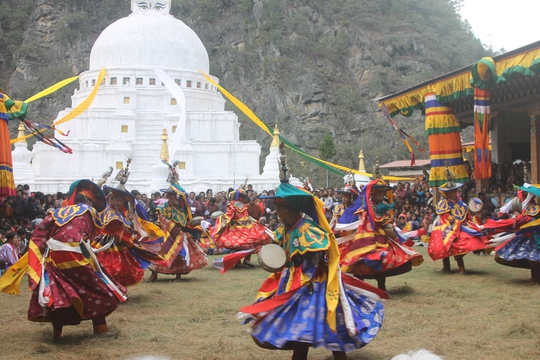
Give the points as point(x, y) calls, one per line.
point(22, 160)
point(143, 54)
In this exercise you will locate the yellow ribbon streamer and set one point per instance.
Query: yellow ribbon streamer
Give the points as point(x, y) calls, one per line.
point(51, 89)
point(82, 107)
point(240, 105)
point(10, 282)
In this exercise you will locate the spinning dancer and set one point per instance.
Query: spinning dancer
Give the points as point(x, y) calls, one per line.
point(453, 233)
point(523, 249)
point(236, 230)
point(310, 303)
point(127, 258)
point(68, 283)
point(375, 251)
point(180, 252)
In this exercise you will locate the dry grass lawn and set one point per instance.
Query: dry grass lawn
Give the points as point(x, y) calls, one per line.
point(490, 313)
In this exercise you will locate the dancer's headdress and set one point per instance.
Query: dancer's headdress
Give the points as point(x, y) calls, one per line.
point(449, 184)
point(122, 178)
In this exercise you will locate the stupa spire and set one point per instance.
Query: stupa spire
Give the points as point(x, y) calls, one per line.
point(275, 140)
point(21, 130)
point(164, 147)
point(361, 166)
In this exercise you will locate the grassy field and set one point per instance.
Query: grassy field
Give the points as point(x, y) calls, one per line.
point(490, 313)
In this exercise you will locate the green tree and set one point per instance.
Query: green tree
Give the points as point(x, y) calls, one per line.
point(327, 149)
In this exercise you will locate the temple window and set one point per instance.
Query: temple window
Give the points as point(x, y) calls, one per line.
point(125, 81)
point(198, 84)
point(182, 165)
point(113, 81)
point(86, 84)
point(173, 101)
point(124, 128)
point(173, 130)
point(188, 83)
point(119, 164)
point(126, 100)
point(178, 82)
point(152, 81)
point(93, 82)
point(138, 81)
point(206, 86)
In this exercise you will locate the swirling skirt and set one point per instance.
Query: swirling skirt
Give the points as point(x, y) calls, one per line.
point(518, 252)
point(303, 319)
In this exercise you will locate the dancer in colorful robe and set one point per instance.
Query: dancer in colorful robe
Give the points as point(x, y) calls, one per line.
point(523, 249)
point(310, 303)
point(127, 258)
point(453, 233)
point(348, 197)
point(350, 202)
point(67, 281)
point(237, 231)
point(375, 252)
point(180, 252)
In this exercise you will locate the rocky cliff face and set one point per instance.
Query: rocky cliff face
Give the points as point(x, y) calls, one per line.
point(314, 67)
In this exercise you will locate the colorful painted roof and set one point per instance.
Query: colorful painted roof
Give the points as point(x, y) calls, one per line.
point(459, 83)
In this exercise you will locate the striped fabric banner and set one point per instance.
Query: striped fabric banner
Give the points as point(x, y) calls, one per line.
point(7, 182)
point(482, 121)
point(443, 131)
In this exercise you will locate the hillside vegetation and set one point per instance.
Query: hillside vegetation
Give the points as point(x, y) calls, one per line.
point(312, 66)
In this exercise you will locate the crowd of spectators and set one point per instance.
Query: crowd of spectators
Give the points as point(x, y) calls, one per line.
point(414, 207)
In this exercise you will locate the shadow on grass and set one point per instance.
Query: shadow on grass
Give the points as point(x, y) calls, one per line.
point(455, 272)
point(47, 344)
point(138, 298)
point(524, 282)
point(475, 272)
point(168, 279)
point(401, 291)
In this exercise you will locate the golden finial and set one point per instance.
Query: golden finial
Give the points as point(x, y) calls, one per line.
point(164, 147)
point(275, 140)
point(361, 166)
point(21, 130)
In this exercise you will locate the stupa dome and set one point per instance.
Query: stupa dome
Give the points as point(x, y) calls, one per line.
point(160, 41)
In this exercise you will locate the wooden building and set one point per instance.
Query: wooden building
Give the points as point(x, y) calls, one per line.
point(403, 168)
point(514, 85)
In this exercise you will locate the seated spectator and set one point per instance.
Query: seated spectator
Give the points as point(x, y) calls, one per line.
point(407, 206)
point(211, 207)
point(253, 207)
point(6, 211)
point(420, 194)
point(401, 193)
point(9, 252)
point(402, 221)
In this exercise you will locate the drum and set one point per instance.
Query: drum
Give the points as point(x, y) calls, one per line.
point(216, 214)
point(196, 221)
point(516, 205)
point(475, 204)
point(272, 257)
